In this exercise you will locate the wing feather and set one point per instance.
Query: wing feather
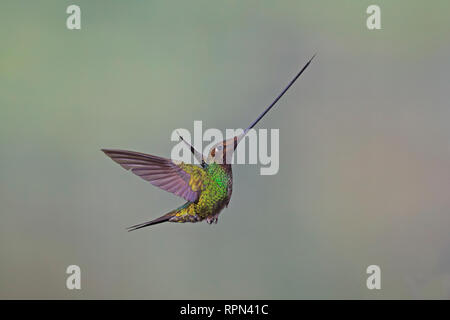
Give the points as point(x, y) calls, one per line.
point(160, 172)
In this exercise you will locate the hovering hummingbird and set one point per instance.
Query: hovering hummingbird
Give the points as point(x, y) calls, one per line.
point(207, 188)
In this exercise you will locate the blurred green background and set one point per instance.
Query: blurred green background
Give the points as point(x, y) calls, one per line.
point(364, 139)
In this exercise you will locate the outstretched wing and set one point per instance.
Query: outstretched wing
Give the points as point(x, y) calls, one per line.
point(182, 180)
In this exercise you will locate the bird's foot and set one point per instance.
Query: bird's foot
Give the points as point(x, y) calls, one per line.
point(212, 219)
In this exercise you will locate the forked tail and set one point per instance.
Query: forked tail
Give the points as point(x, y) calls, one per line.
point(161, 219)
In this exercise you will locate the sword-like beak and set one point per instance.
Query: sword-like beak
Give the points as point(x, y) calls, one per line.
point(222, 152)
point(238, 139)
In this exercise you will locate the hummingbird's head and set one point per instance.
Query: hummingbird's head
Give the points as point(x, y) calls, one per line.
point(222, 152)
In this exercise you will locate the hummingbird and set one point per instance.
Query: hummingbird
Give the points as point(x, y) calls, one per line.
point(207, 187)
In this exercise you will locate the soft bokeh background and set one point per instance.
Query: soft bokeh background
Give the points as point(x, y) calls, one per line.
point(364, 139)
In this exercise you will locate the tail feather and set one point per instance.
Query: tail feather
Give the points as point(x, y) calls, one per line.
point(161, 219)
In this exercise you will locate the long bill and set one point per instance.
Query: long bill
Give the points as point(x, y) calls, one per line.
point(239, 138)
